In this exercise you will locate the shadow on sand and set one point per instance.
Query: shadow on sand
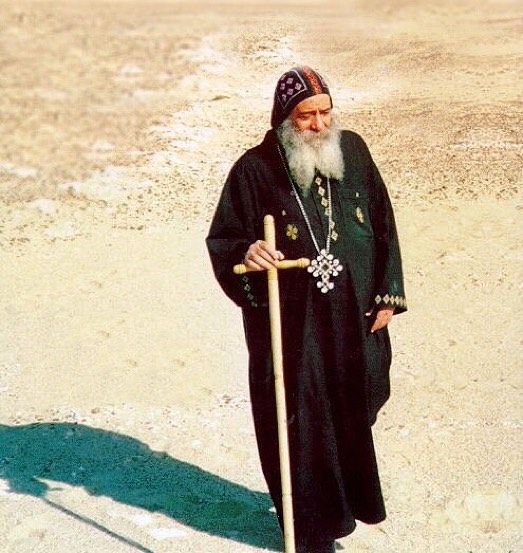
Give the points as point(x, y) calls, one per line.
point(118, 466)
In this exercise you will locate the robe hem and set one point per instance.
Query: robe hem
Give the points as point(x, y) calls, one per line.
point(352, 527)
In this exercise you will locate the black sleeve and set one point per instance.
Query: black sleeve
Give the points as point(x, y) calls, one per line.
point(234, 227)
point(388, 279)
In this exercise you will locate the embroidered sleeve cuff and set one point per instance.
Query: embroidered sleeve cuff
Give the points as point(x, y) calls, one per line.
point(391, 300)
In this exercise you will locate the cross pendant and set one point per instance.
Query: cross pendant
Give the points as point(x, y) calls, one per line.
point(323, 268)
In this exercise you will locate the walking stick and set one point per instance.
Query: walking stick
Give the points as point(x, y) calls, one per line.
point(277, 361)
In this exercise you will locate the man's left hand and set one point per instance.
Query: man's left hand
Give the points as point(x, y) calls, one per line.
point(383, 318)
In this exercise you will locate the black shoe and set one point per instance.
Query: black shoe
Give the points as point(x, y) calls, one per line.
point(324, 547)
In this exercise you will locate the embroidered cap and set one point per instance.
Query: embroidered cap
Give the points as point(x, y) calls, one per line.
point(294, 86)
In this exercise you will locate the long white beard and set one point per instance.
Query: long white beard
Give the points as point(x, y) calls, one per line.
point(309, 151)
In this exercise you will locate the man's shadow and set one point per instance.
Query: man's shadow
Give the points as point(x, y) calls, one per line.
point(118, 466)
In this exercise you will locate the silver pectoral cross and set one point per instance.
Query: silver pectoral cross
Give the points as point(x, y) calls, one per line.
point(323, 268)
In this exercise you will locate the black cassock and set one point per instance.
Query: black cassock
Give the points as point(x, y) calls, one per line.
point(336, 371)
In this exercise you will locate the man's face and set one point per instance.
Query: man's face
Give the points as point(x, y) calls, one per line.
point(312, 114)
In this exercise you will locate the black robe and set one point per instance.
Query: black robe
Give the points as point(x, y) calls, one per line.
point(336, 371)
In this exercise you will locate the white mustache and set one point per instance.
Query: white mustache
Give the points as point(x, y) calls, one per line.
point(315, 139)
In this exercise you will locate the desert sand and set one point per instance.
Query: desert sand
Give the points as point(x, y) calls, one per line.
point(124, 414)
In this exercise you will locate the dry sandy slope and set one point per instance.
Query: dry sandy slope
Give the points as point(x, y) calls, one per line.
point(119, 122)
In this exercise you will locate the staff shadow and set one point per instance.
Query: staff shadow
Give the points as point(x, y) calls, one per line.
point(114, 465)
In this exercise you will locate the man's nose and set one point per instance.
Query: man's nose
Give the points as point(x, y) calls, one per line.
point(318, 123)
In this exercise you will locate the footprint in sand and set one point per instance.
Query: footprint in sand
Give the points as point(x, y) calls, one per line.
point(147, 522)
point(488, 511)
point(164, 533)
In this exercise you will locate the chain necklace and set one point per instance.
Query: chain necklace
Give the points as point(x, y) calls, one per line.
point(325, 265)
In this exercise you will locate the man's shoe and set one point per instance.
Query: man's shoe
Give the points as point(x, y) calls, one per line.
point(324, 547)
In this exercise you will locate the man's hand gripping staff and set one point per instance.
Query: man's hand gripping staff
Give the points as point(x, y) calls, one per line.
point(262, 256)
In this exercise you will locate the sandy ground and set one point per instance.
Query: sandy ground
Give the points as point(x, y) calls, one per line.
point(124, 415)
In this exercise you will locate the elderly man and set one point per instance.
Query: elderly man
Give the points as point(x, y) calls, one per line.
point(330, 204)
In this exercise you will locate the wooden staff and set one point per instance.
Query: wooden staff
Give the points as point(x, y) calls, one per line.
point(279, 383)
